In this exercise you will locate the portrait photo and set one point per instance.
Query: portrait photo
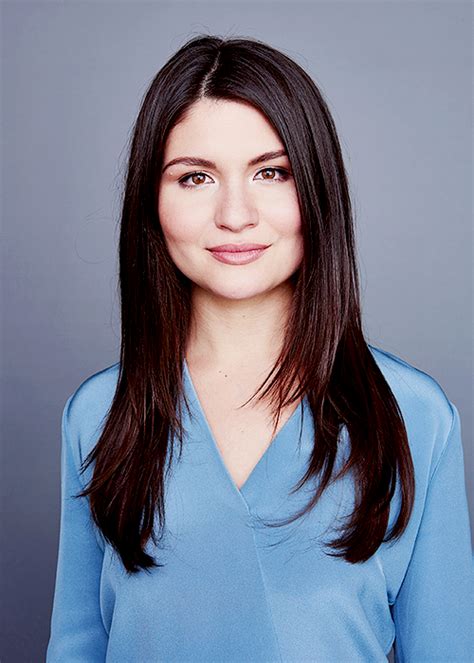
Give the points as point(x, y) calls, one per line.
point(237, 331)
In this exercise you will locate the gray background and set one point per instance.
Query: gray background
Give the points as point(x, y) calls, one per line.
point(397, 78)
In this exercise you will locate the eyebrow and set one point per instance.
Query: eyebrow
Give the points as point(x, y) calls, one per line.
point(205, 163)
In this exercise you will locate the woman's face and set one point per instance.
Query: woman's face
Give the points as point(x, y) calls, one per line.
point(222, 198)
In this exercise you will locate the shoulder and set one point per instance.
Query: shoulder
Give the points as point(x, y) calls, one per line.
point(428, 413)
point(86, 408)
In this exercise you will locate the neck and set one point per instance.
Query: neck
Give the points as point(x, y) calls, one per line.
point(237, 334)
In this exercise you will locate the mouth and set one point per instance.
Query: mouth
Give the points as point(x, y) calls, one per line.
point(238, 257)
point(238, 248)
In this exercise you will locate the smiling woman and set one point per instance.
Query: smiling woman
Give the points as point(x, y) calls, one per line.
point(242, 341)
point(235, 202)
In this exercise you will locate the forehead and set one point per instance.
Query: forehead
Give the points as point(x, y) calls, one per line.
point(222, 126)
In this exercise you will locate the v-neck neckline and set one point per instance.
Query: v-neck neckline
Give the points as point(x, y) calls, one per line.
point(258, 467)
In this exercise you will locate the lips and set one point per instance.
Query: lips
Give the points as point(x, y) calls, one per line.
point(237, 248)
point(238, 254)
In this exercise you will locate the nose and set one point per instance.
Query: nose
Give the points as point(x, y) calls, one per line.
point(235, 209)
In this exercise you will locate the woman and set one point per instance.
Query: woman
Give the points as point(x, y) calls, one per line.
point(313, 485)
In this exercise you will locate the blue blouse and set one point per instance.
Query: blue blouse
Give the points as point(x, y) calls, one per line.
point(233, 590)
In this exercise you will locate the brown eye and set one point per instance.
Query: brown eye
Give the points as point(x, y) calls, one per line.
point(199, 177)
point(196, 178)
point(267, 171)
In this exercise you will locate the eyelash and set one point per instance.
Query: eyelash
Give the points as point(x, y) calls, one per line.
point(282, 171)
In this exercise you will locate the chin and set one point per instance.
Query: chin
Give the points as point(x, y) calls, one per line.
point(238, 293)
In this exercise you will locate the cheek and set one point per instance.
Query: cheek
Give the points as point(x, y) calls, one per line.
point(283, 210)
point(288, 226)
point(178, 222)
point(287, 220)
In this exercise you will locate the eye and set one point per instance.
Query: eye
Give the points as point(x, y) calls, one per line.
point(284, 175)
point(187, 177)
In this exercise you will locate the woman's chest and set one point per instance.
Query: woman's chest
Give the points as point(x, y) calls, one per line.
point(241, 435)
point(230, 590)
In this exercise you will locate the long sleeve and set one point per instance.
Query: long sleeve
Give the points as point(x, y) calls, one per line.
point(77, 632)
point(433, 612)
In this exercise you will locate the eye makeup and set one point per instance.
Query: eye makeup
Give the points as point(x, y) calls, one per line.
point(285, 175)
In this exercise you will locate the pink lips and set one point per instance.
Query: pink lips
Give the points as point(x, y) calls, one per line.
point(238, 247)
point(238, 254)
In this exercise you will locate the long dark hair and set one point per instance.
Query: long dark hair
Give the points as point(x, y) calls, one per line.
point(324, 345)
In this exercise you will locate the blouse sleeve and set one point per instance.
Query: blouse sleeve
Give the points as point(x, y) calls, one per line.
point(433, 612)
point(77, 633)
